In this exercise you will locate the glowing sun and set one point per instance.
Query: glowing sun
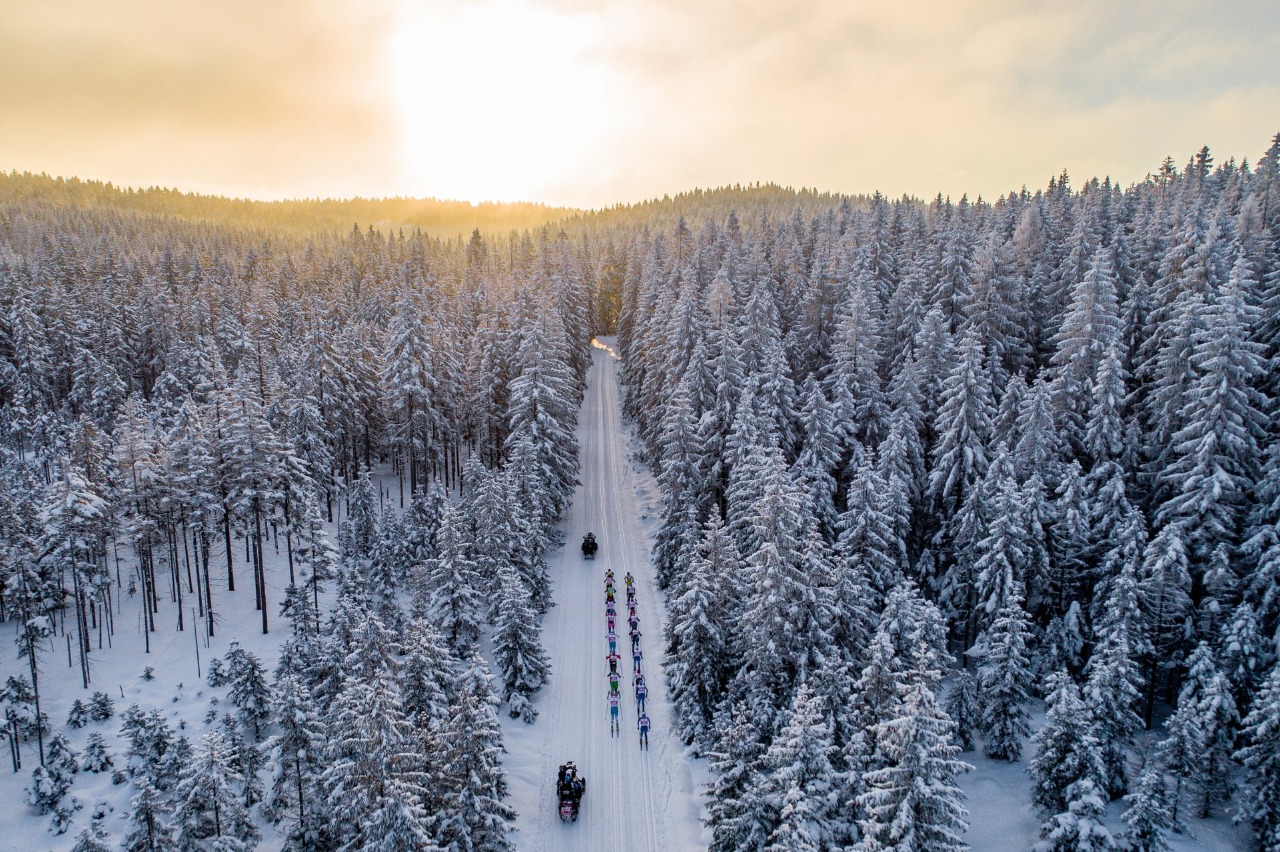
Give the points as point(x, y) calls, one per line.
point(497, 99)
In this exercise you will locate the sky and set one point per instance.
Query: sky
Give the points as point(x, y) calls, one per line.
point(589, 103)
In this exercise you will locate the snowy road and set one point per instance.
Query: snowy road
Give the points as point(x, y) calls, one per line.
point(634, 800)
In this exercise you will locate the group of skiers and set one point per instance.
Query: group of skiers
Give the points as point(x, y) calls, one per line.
point(613, 657)
point(569, 784)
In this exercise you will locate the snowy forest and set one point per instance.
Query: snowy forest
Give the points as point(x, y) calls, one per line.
point(940, 484)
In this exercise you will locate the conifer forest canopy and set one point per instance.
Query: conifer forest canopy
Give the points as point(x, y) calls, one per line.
point(998, 477)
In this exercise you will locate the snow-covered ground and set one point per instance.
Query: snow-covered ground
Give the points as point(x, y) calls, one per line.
point(1001, 816)
point(179, 690)
point(635, 800)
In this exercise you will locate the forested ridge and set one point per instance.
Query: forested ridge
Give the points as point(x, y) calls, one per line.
point(296, 219)
point(925, 467)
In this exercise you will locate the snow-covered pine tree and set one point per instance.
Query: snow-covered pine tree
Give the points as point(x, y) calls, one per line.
point(1005, 678)
point(452, 597)
point(426, 675)
point(698, 632)
point(209, 810)
point(853, 382)
point(92, 839)
point(517, 650)
point(786, 607)
point(1260, 756)
point(1113, 688)
point(50, 782)
point(149, 829)
point(962, 707)
point(738, 820)
point(1066, 748)
point(1001, 554)
point(1207, 691)
point(1164, 594)
point(680, 479)
point(867, 544)
point(248, 690)
point(376, 762)
point(911, 800)
point(542, 410)
point(1079, 828)
point(1147, 818)
point(294, 756)
point(101, 707)
point(964, 427)
point(96, 758)
point(78, 716)
point(1069, 542)
point(1215, 452)
point(362, 515)
point(819, 457)
point(1091, 325)
point(798, 773)
point(1039, 448)
point(1240, 654)
point(471, 784)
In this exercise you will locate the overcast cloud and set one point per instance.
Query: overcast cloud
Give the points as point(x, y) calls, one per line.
point(298, 98)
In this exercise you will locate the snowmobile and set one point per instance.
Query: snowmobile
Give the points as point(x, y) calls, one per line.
point(569, 789)
point(589, 546)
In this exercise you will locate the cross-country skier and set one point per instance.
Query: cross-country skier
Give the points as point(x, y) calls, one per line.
point(643, 724)
point(628, 579)
point(610, 621)
point(613, 681)
point(633, 622)
point(614, 725)
point(642, 692)
point(635, 639)
point(612, 659)
point(608, 596)
point(612, 636)
point(631, 595)
point(610, 610)
point(636, 656)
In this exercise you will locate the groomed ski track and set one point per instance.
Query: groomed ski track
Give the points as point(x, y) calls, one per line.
point(634, 800)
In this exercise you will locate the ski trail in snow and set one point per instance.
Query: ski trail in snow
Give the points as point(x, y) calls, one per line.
point(634, 800)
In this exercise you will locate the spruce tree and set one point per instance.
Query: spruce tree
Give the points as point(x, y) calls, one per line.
point(738, 819)
point(149, 829)
point(698, 632)
point(208, 807)
point(473, 813)
point(1208, 692)
point(798, 773)
point(1066, 749)
point(1147, 818)
point(96, 758)
point(517, 650)
point(1260, 756)
point(1079, 828)
point(50, 782)
point(1113, 688)
point(911, 800)
point(1004, 681)
point(452, 595)
point(295, 755)
point(962, 707)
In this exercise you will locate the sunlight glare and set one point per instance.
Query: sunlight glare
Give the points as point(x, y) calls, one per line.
point(497, 99)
